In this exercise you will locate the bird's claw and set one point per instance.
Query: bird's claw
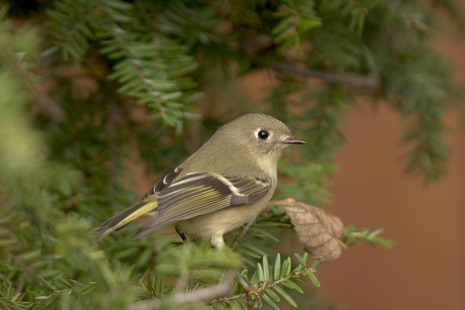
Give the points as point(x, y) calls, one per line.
point(255, 290)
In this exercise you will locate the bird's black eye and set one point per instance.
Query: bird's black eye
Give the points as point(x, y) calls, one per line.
point(263, 134)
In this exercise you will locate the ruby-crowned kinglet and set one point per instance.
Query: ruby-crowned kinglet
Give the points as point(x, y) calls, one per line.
point(223, 185)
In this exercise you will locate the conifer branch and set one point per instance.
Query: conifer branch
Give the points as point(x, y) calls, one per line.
point(261, 286)
point(143, 80)
point(78, 25)
point(330, 77)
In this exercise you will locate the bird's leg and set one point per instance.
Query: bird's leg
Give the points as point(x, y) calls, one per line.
point(217, 242)
point(181, 234)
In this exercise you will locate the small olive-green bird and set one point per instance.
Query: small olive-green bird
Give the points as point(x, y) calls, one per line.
point(223, 185)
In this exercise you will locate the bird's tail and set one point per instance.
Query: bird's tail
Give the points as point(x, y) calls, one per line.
point(125, 217)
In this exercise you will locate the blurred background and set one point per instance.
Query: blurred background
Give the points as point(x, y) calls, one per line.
point(426, 268)
point(115, 103)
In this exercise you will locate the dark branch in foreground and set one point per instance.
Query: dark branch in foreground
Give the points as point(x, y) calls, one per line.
point(330, 77)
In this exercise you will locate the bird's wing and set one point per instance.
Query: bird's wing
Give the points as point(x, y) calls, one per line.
point(201, 193)
point(163, 183)
point(146, 206)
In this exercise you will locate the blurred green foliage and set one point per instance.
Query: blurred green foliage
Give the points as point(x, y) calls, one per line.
point(89, 89)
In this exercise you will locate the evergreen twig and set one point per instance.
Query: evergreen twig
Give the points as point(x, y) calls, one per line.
point(261, 286)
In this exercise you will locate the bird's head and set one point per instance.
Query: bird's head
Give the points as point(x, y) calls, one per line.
point(261, 135)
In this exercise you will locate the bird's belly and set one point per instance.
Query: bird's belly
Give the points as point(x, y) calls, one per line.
point(219, 222)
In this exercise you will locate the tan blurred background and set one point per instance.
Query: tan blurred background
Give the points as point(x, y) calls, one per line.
point(426, 269)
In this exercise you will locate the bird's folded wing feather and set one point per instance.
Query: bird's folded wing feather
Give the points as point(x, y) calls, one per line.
point(201, 193)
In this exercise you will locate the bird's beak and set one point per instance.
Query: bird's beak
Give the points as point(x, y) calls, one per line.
point(292, 140)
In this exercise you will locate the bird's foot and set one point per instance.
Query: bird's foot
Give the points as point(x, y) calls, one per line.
point(253, 291)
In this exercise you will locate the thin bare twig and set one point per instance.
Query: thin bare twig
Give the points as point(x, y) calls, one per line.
point(244, 231)
point(330, 77)
point(271, 204)
point(277, 203)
